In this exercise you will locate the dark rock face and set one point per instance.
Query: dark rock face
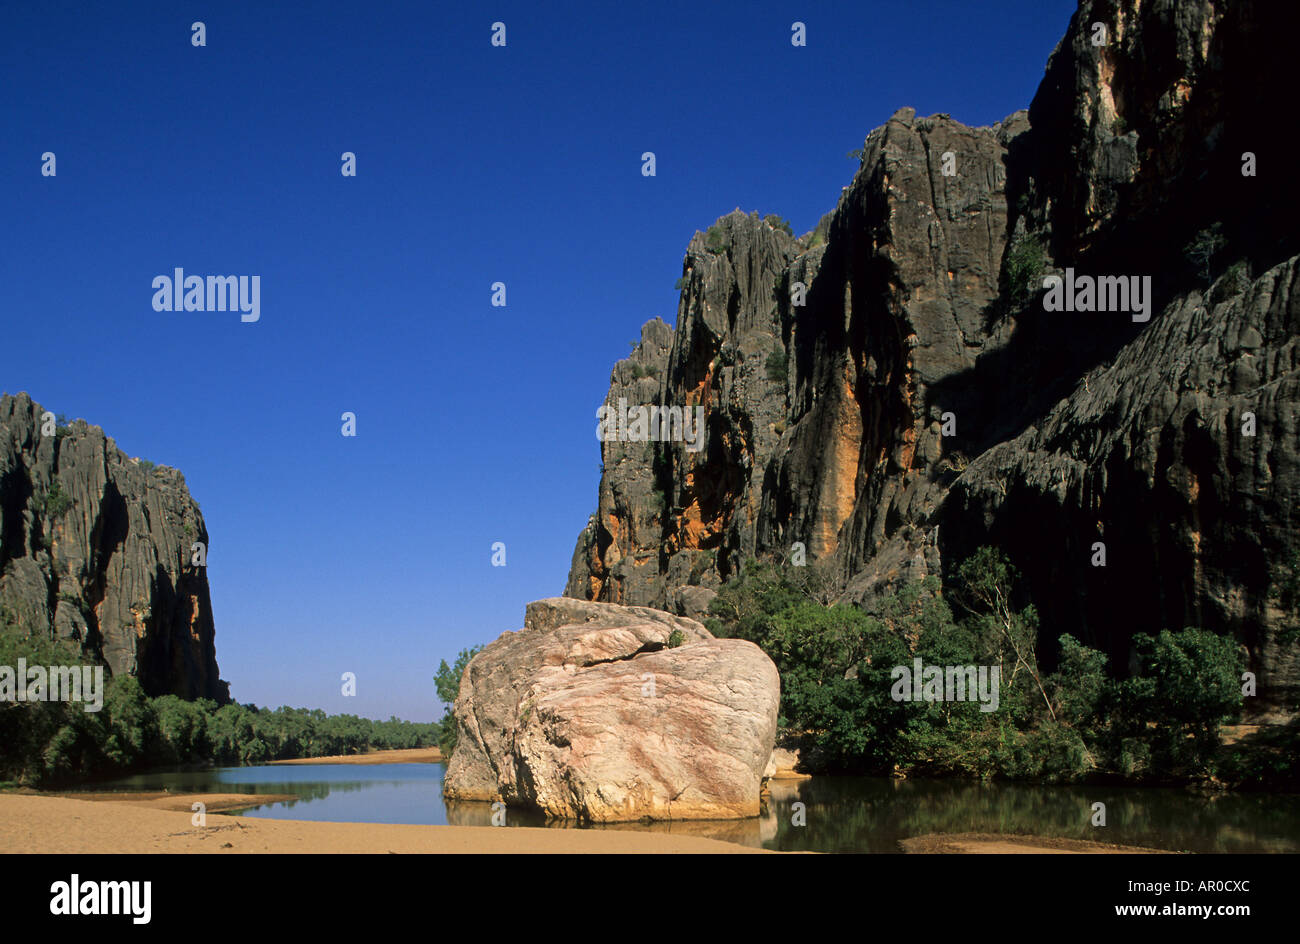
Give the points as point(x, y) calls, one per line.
point(1148, 456)
point(1140, 140)
point(833, 453)
point(1070, 428)
point(109, 564)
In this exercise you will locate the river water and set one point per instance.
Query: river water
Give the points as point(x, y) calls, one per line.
point(839, 814)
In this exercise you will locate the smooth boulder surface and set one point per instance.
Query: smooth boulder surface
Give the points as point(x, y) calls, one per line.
point(588, 714)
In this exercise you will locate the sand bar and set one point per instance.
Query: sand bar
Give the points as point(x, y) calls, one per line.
point(54, 824)
point(212, 802)
point(415, 755)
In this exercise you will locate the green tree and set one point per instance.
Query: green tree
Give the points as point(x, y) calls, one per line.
point(988, 583)
point(1189, 684)
point(182, 726)
point(132, 725)
point(447, 683)
point(1079, 686)
point(834, 662)
point(1203, 248)
point(256, 752)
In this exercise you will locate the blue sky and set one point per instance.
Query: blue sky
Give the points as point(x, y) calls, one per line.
point(475, 164)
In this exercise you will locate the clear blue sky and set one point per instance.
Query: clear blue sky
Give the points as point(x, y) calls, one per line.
point(475, 164)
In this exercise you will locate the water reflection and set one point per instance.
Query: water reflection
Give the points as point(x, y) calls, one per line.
point(842, 814)
point(748, 832)
point(862, 814)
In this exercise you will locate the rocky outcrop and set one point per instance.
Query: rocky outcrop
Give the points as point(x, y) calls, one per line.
point(785, 764)
point(602, 713)
point(919, 404)
point(95, 547)
point(823, 424)
point(1180, 457)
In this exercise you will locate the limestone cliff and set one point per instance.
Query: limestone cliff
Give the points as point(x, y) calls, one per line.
point(95, 547)
point(825, 422)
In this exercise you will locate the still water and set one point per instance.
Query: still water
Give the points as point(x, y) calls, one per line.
point(843, 814)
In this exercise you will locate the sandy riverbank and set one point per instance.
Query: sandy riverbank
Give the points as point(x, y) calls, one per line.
point(212, 802)
point(161, 822)
point(416, 755)
point(54, 824)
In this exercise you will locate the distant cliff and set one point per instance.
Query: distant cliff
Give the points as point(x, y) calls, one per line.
point(922, 402)
point(95, 547)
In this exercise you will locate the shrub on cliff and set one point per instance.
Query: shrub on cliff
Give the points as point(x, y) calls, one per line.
point(1024, 264)
point(779, 222)
point(57, 501)
point(1200, 252)
point(777, 368)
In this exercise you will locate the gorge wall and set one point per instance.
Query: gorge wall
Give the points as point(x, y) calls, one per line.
point(824, 422)
point(95, 547)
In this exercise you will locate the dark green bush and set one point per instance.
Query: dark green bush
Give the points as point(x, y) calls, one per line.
point(835, 663)
point(777, 367)
point(57, 501)
point(1023, 268)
